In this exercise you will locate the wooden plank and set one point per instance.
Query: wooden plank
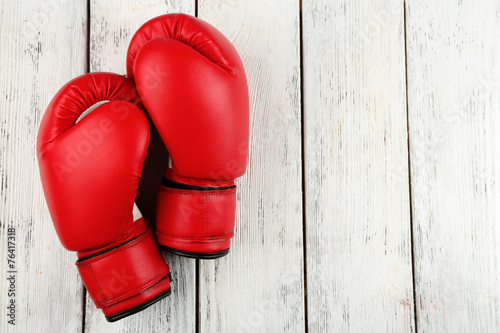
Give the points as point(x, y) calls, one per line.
point(454, 122)
point(259, 286)
point(41, 49)
point(112, 26)
point(359, 270)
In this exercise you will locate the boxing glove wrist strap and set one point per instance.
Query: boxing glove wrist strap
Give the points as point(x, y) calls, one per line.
point(124, 271)
point(174, 185)
point(195, 219)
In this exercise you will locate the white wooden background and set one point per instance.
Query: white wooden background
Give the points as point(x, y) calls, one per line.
point(372, 197)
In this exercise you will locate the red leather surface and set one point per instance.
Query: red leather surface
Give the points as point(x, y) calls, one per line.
point(192, 82)
point(139, 299)
point(90, 172)
point(123, 272)
point(204, 220)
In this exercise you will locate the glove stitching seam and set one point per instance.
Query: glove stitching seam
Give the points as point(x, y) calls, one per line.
point(205, 213)
point(187, 192)
point(110, 253)
point(101, 294)
point(148, 283)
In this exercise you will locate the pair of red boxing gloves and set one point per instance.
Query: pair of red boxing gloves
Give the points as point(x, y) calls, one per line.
point(189, 78)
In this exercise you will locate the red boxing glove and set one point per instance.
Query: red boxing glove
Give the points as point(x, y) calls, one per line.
point(90, 171)
point(192, 82)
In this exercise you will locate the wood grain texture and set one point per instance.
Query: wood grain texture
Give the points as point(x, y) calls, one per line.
point(359, 271)
point(112, 26)
point(454, 121)
point(357, 193)
point(41, 47)
point(259, 286)
point(113, 23)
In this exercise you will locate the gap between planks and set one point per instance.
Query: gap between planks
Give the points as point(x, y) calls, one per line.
point(413, 270)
